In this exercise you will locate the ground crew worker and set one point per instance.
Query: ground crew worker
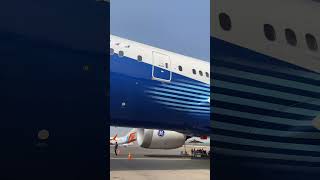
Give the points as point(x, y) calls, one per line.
point(116, 149)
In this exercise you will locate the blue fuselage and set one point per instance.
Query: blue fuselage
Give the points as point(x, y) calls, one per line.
point(262, 115)
point(137, 100)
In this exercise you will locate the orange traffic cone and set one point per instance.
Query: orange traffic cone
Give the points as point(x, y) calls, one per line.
point(129, 156)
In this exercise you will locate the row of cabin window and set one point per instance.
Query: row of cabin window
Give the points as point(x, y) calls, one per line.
point(291, 37)
point(270, 33)
point(139, 58)
point(195, 72)
point(121, 54)
point(200, 73)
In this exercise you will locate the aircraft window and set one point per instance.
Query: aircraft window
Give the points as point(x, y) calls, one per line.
point(311, 42)
point(120, 54)
point(111, 51)
point(167, 66)
point(207, 74)
point(269, 32)
point(291, 37)
point(194, 71)
point(225, 21)
point(200, 72)
point(139, 58)
point(180, 68)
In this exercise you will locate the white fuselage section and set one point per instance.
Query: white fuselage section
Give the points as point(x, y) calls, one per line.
point(133, 49)
point(249, 16)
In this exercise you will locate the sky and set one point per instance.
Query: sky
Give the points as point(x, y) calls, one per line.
point(175, 25)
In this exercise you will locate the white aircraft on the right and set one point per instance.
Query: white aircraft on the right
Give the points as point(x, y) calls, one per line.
point(198, 141)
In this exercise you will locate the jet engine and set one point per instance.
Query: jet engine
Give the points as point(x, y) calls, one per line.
point(160, 139)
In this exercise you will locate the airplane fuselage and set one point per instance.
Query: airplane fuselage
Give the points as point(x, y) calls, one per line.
point(153, 88)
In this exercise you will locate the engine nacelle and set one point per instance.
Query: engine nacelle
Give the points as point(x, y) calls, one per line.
point(160, 139)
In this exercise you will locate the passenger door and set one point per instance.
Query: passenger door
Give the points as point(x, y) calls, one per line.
point(161, 67)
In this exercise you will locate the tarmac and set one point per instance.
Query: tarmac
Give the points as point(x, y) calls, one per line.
point(153, 164)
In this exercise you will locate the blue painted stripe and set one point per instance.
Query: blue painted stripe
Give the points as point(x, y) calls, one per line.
point(178, 92)
point(190, 110)
point(275, 72)
point(258, 121)
point(271, 68)
point(236, 87)
point(269, 144)
point(267, 155)
point(183, 106)
point(258, 137)
point(268, 79)
point(222, 144)
point(300, 102)
point(264, 105)
point(202, 104)
point(263, 85)
point(191, 86)
point(204, 116)
point(264, 131)
point(249, 109)
point(176, 96)
point(248, 163)
point(185, 89)
point(194, 82)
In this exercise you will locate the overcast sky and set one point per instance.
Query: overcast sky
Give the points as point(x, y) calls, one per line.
point(175, 25)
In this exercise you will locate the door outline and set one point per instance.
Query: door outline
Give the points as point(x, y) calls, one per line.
point(167, 63)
